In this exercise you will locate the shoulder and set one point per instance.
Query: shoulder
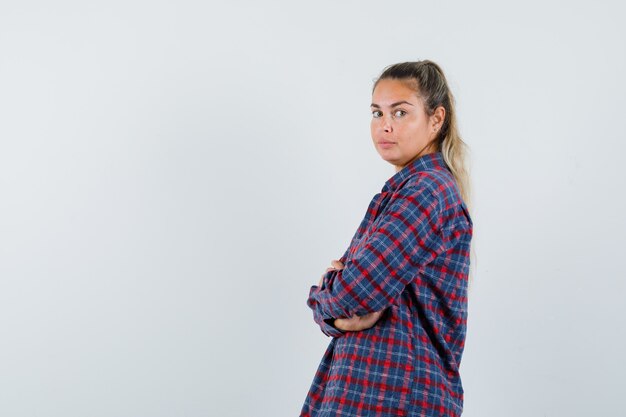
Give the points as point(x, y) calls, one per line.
point(438, 185)
point(420, 196)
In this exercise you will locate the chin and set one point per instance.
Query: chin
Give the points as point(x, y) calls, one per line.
point(389, 159)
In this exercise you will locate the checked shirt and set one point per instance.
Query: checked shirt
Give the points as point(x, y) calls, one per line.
point(410, 258)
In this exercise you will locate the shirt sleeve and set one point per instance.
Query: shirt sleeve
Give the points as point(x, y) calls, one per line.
point(406, 237)
point(325, 323)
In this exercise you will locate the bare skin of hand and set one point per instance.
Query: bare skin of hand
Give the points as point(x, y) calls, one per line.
point(357, 323)
point(335, 265)
point(354, 323)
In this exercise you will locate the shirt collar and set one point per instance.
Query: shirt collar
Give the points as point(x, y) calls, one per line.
point(433, 160)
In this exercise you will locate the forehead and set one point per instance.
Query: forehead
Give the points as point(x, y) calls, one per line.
point(389, 91)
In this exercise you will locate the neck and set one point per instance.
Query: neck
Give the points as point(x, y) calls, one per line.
point(424, 151)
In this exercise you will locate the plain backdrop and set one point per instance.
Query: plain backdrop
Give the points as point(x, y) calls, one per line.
point(175, 175)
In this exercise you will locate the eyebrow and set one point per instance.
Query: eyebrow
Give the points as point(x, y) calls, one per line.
point(397, 103)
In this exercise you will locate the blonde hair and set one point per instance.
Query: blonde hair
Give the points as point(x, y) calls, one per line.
point(430, 84)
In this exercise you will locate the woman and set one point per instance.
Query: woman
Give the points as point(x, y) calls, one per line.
point(395, 304)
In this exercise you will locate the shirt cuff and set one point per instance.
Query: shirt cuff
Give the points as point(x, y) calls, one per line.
point(331, 330)
point(324, 322)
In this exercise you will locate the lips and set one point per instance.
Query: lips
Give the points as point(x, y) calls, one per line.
point(385, 144)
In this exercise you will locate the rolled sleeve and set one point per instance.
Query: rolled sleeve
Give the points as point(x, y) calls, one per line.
point(324, 321)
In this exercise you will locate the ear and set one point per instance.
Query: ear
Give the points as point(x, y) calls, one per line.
point(437, 118)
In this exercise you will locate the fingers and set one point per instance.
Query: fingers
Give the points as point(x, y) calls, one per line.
point(347, 325)
point(341, 324)
point(336, 264)
point(356, 323)
point(368, 320)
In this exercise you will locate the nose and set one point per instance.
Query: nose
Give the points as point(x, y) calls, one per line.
point(386, 124)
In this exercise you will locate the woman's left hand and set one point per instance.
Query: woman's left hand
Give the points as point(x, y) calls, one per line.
point(336, 264)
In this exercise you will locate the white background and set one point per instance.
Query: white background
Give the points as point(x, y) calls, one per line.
point(174, 176)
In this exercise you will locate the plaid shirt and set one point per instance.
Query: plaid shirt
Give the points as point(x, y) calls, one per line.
point(410, 257)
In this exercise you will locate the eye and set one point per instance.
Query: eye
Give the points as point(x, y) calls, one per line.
point(399, 113)
point(376, 114)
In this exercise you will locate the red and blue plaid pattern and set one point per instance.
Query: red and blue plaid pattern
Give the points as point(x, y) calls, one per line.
point(410, 257)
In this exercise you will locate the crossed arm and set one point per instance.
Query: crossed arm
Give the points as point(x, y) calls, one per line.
point(354, 323)
point(406, 237)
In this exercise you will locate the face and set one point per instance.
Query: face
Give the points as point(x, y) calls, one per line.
point(401, 129)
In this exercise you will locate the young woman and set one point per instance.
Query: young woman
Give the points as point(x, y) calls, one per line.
point(395, 304)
